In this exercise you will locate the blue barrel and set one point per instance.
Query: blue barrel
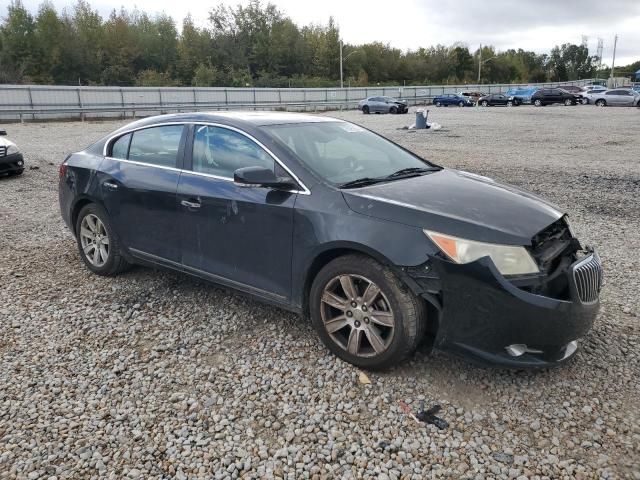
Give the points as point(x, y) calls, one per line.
point(421, 119)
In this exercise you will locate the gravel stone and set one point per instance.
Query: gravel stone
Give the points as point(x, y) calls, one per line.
point(157, 375)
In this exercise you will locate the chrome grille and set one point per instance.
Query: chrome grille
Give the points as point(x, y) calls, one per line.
point(3, 151)
point(587, 275)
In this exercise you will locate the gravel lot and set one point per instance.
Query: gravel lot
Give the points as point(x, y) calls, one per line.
point(156, 375)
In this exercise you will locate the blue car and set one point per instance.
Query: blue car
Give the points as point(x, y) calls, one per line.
point(522, 94)
point(452, 99)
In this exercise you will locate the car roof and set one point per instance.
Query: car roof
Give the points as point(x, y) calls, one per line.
point(237, 118)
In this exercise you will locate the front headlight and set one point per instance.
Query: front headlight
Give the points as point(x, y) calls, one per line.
point(508, 259)
point(12, 149)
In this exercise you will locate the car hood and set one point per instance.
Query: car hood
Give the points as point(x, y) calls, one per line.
point(5, 142)
point(457, 203)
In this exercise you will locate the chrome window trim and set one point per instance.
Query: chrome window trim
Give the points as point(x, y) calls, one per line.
point(303, 191)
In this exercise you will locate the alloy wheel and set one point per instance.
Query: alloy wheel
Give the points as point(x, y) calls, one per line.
point(357, 315)
point(94, 240)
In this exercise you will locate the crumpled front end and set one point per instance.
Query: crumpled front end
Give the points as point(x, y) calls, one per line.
point(520, 322)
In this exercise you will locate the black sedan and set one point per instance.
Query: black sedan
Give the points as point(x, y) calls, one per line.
point(379, 247)
point(494, 99)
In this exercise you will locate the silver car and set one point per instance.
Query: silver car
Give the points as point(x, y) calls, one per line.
point(383, 105)
point(618, 97)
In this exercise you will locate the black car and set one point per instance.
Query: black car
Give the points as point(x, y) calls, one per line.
point(379, 247)
point(549, 96)
point(11, 159)
point(494, 99)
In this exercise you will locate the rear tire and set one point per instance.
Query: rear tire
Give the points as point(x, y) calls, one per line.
point(346, 330)
point(461, 104)
point(438, 103)
point(509, 103)
point(601, 103)
point(484, 103)
point(537, 102)
point(92, 229)
point(568, 103)
point(365, 109)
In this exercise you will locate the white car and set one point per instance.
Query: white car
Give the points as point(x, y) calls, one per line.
point(11, 160)
point(587, 89)
point(617, 97)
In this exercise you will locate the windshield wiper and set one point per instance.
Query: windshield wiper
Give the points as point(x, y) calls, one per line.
point(362, 182)
point(411, 171)
point(403, 173)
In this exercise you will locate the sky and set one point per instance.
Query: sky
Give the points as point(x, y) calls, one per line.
point(536, 25)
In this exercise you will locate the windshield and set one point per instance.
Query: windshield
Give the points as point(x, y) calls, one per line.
point(342, 152)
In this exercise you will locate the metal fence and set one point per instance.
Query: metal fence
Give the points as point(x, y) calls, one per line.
point(30, 102)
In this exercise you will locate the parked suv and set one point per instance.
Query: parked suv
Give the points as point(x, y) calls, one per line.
point(523, 94)
point(549, 96)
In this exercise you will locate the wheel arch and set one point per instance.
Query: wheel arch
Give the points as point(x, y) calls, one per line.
point(78, 205)
point(335, 250)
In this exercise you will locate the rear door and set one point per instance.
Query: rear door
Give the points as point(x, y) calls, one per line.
point(138, 180)
point(236, 234)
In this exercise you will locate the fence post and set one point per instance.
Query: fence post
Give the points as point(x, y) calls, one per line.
point(195, 100)
point(254, 99)
point(124, 112)
point(33, 115)
point(280, 97)
point(80, 105)
point(226, 99)
point(160, 94)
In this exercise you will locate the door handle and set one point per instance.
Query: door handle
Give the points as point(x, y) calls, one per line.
point(110, 185)
point(188, 204)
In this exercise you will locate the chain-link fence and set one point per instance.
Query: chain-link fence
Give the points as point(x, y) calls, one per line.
point(25, 102)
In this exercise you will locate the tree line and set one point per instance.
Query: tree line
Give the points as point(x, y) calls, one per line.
point(254, 45)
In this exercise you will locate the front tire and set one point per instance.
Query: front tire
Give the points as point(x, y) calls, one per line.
point(601, 103)
point(438, 104)
point(461, 104)
point(364, 314)
point(98, 245)
point(537, 102)
point(393, 110)
point(568, 103)
point(484, 103)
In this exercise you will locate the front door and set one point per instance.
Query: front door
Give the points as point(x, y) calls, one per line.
point(236, 234)
point(138, 181)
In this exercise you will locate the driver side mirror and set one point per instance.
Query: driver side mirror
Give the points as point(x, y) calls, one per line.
point(262, 177)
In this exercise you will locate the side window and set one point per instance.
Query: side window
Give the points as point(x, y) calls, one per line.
point(613, 92)
point(220, 151)
point(156, 145)
point(120, 148)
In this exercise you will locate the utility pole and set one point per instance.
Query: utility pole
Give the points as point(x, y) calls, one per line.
point(341, 82)
point(479, 63)
point(613, 62)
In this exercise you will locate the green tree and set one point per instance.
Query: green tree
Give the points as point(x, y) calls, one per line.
point(17, 42)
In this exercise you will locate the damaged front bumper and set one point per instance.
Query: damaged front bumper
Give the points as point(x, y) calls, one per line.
point(485, 317)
